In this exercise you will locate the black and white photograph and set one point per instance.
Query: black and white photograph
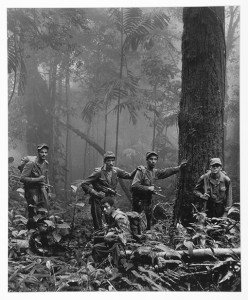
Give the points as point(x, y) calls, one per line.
point(123, 134)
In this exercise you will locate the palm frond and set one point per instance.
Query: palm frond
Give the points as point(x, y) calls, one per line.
point(140, 26)
point(131, 107)
point(91, 109)
point(22, 78)
point(13, 59)
point(131, 18)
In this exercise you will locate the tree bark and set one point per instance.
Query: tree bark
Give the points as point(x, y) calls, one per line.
point(201, 117)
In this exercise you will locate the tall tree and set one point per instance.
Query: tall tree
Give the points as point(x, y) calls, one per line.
point(135, 29)
point(201, 117)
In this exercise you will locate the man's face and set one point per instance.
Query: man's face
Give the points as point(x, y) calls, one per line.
point(42, 153)
point(151, 161)
point(107, 208)
point(109, 163)
point(215, 169)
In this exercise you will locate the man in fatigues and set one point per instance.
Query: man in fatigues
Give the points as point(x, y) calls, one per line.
point(104, 182)
point(215, 188)
point(35, 178)
point(143, 184)
point(116, 235)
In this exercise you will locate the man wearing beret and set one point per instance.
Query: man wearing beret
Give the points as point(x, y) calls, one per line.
point(215, 188)
point(144, 181)
point(101, 183)
point(35, 176)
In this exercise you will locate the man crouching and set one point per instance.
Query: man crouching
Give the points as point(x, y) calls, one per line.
point(115, 236)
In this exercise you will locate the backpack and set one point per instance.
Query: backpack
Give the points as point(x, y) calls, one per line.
point(25, 160)
point(137, 222)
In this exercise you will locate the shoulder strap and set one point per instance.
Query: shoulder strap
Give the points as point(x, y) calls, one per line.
point(142, 169)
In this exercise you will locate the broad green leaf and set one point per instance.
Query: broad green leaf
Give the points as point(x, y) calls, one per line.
point(49, 223)
point(228, 276)
point(189, 246)
point(80, 204)
point(56, 236)
point(64, 225)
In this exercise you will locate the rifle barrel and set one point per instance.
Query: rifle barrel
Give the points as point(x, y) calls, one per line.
point(158, 194)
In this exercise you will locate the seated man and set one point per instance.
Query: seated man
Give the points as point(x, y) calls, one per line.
point(116, 234)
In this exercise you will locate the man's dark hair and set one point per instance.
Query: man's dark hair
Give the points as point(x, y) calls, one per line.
point(109, 200)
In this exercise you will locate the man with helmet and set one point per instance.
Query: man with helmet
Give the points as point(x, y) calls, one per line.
point(215, 188)
point(101, 183)
point(34, 175)
point(144, 181)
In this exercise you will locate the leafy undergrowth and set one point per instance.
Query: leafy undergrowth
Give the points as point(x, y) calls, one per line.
point(53, 257)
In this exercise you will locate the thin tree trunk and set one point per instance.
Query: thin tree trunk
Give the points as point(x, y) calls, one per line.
point(52, 93)
point(154, 116)
point(68, 133)
point(105, 126)
point(119, 96)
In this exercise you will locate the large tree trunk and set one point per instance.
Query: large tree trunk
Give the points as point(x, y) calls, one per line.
point(201, 126)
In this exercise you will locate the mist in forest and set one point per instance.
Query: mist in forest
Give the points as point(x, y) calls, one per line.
point(85, 81)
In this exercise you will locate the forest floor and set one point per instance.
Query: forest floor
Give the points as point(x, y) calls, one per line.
point(57, 256)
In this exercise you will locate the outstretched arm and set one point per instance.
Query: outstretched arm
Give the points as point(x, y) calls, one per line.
point(167, 172)
point(125, 175)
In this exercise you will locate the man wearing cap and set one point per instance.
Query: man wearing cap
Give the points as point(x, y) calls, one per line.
point(215, 188)
point(101, 183)
point(116, 234)
point(34, 176)
point(143, 184)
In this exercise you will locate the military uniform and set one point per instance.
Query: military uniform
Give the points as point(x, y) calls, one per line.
point(119, 229)
point(141, 196)
point(36, 193)
point(219, 190)
point(100, 180)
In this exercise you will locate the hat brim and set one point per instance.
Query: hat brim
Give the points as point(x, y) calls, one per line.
point(43, 147)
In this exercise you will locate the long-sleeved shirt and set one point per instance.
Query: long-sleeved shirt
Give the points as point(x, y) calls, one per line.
point(144, 178)
point(219, 189)
point(100, 179)
point(33, 169)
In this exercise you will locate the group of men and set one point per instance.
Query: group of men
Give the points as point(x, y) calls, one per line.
point(214, 187)
point(103, 182)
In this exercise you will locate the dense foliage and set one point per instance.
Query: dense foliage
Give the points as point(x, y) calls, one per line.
point(89, 80)
point(56, 256)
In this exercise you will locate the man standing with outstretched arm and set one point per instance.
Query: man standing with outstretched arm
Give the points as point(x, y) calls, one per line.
point(144, 181)
point(101, 183)
point(35, 178)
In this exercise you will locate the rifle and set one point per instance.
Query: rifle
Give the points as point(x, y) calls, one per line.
point(110, 191)
point(44, 184)
point(157, 192)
